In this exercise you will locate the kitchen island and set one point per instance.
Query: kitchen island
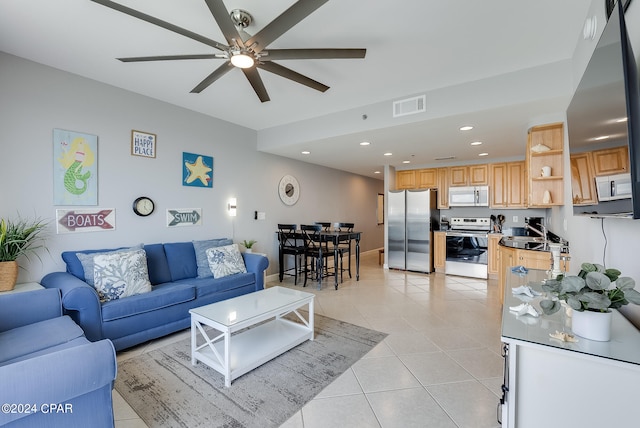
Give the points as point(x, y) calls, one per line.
point(548, 382)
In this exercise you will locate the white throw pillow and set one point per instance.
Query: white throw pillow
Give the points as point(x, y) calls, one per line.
point(121, 274)
point(86, 259)
point(225, 260)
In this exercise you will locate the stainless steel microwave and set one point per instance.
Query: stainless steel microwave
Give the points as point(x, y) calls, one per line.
point(612, 187)
point(469, 196)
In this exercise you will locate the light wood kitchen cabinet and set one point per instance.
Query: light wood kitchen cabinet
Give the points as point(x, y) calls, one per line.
point(443, 188)
point(533, 259)
point(611, 161)
point(469, 175)
point(406, 179)
point(417, 179)
point(506, 260)
point(509, 257)
point(439, 250)
point(427, 178)
point(545, 148)
point(507, 185)
point(583, 189)
point(493, 261)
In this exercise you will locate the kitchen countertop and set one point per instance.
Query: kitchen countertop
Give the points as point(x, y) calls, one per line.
point(530, 243)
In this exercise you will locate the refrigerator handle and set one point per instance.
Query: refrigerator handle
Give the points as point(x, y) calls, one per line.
point(477, 194)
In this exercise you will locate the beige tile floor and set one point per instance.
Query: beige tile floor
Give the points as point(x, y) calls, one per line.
point(440, 365)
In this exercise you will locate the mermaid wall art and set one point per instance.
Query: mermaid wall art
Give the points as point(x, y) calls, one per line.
point(75, 175)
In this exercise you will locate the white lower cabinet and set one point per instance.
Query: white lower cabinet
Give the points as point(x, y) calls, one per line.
point(549, 388)
point(550, 383)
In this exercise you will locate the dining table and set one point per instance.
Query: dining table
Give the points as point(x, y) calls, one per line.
point(334, 237)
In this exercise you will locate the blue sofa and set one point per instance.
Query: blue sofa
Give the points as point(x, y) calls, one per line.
point(50, 374)
point(179, 283)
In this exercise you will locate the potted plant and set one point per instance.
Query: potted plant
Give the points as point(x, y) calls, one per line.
point(248, 244)
point(591, 295)
point(17, 238)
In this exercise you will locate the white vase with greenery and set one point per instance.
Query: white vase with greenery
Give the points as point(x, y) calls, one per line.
point(596, 291)
point(248, 245)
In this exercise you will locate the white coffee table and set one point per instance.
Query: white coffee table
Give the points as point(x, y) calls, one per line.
point(264, 336)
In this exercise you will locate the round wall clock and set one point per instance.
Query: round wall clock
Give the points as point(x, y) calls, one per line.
point(289, 190)
point(143, 206)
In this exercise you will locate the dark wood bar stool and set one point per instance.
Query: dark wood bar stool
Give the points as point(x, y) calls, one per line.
point(327, 246)
point(312, 244)
point(345, 247)
point(290, 245)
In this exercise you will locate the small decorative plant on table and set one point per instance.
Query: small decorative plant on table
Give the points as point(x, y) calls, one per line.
point(594, 290)
point(248, 244)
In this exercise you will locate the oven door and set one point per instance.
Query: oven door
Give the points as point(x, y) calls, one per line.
point(467, 254)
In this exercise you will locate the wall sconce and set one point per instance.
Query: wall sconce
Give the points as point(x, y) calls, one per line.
point(590, 28)
point(232, 207)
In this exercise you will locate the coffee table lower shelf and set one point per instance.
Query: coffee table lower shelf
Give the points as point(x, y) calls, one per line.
point(251, 347)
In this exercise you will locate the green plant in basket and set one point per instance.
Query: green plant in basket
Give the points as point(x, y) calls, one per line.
point(19, 237)
point(595, 288)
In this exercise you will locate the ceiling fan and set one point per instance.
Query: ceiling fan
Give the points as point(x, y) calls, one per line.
point(249, 53)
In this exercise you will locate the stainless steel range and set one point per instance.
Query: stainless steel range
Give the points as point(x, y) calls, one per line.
point(467, 242)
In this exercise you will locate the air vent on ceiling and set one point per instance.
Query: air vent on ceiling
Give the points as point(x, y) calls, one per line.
point(410, 106)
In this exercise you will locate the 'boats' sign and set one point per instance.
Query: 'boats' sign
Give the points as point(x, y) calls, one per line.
point(71, 221)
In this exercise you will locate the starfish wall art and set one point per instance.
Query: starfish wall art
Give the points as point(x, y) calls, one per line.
point(197, 170)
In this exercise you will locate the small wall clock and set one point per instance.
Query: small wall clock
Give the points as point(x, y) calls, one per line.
point(143, 206)
point(289, 190)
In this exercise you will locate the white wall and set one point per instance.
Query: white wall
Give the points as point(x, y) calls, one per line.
point(36, 99)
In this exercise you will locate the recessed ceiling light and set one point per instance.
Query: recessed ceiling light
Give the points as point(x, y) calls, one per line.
point(376, 172)
point(365, 143)
point(483, 154)
point(603, 137)
point(622, 119)
point(388, 154)
point(466, 128)
point(406, 161)
point(306, 152)
point(476, 143)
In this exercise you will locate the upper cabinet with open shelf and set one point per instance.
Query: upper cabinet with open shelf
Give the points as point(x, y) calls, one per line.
point(545, 160)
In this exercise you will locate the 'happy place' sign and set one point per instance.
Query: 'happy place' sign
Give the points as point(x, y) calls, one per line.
point(143, 144)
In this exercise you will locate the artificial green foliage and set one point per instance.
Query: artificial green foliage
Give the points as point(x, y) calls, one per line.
point(248, 244)
point(19, 237)
point(593, 289)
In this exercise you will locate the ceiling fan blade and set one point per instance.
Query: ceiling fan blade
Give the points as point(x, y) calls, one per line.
point(276, 28)
point(217, 73)
point(285, 72)
point(221, 15)
point(170, 57)
point(161, 23)
point(256, 82)
point(280, 54)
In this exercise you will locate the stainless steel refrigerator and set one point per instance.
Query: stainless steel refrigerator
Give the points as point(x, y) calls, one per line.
point(412, 216)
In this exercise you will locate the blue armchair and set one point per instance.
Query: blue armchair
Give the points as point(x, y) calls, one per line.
point(50, 374)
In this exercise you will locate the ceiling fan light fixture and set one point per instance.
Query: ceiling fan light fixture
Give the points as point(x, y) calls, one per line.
point(242, 59)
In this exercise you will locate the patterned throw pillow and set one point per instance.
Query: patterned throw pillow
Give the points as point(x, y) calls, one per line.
point(121, 274)
point(86, 259)
point(201, 248)
point(225, 260)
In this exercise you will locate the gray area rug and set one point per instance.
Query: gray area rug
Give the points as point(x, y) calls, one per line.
point(167, 391)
